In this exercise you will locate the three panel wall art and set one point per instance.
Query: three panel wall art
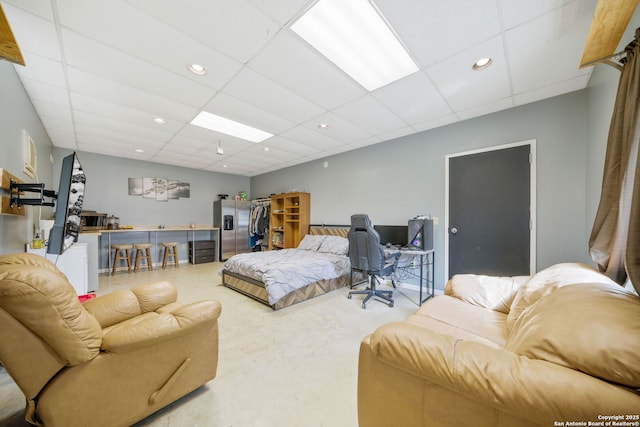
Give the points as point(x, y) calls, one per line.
point(159, 189)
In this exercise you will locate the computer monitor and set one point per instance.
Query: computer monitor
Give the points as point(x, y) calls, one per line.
point(392, 234)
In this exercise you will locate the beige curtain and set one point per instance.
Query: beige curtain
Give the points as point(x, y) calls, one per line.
point(615, 239)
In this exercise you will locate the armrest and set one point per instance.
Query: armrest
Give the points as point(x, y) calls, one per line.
point(392, 257)
point(492, 292)
point(162, 327)
point(499, 378)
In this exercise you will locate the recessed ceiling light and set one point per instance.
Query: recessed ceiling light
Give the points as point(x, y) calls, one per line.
point(139, 150)
point(197, 69)
point(229, 127)
point(225, 166)
point(267, 149)
point(354, 36)
point(482, 63)
point(323, 126)
point(160, 120)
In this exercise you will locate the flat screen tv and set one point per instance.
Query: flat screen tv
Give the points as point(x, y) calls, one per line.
point(66, 225)
point(392, 234)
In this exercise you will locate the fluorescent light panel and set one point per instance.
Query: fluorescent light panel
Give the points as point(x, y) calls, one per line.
point(229, 127)
point(353, 35)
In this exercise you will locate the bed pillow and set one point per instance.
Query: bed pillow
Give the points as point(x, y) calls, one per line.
point(310, 243)
point(335, 245)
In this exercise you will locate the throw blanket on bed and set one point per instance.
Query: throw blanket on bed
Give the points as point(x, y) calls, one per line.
point(285, 270)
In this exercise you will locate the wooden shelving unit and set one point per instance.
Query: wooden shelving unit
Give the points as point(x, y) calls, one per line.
point(289, 222)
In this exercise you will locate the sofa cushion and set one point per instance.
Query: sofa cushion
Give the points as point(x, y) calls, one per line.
point(496, 293)
point(450, 316)
point(547, 281)
point(590, 327)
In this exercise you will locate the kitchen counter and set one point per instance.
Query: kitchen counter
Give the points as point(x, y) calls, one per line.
point(147, 228)
point(183, 234)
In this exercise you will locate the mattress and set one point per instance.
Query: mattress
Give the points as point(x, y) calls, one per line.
point(283, 277)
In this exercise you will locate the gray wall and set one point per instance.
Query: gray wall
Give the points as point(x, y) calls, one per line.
point(391, 181)
point(17, 113)
point(399, 179)
point(107, 190)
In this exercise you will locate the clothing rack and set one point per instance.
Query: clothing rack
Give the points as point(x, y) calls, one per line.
point(259, 221)
point(261, 202)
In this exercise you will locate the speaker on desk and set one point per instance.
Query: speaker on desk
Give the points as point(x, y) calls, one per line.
point(420, 234)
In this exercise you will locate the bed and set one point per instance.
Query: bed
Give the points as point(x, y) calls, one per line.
point(281, 278)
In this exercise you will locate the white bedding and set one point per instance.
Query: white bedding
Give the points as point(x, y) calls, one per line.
point(285, 270)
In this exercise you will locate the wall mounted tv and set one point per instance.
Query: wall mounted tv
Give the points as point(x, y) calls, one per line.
point(66, 225)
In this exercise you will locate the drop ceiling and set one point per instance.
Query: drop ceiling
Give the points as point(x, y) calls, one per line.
point(100, 71)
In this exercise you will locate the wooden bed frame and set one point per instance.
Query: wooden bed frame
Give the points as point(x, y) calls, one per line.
point(256, 289)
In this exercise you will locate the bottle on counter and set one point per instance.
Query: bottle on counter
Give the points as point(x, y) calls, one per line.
point(36, 243)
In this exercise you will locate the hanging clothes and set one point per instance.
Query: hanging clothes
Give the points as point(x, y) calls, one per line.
point(259, 222)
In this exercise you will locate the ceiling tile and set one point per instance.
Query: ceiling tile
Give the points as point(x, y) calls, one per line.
point(159, 43)
point(339, 129)
point(281, 11)
point(516, 12)
point(319, 139)
point(255, 89)
point(104, 61)
point(464, 88)
point(33, 33)
point(116, 93)
point(488, 108)
point(43, 70)
point(46, 93)
point(550, 91)
point(245, 113)
point(291, 62)
point(290, 146)
point(414, 99)
point(433, 30)
point(369, 115)
point(97, 107)
point(236, 28)
point(553, 54)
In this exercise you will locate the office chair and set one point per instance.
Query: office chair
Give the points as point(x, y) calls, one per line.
point(367, 256)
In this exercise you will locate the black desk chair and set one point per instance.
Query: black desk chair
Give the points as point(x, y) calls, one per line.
point(367, 256)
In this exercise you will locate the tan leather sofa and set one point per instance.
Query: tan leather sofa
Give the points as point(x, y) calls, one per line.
point(558, 347)
point(108, 362)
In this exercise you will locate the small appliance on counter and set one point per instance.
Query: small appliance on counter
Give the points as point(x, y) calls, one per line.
point(113, 222)
point(93, 219)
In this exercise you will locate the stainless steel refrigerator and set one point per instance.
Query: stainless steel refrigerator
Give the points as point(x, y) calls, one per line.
point(233, 219)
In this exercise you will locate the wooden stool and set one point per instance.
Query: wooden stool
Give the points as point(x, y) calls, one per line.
point(118, 256)
point(170, 250)
point(143, 251)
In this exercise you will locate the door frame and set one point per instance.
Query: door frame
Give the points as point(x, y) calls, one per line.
point(532, 201)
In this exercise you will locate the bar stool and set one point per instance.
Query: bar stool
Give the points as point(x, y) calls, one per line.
point(121, 254)
point(143, 251)
point(170, 250)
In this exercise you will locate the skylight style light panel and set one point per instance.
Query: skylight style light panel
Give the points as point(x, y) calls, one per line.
point(353, 35)
point(229, 127)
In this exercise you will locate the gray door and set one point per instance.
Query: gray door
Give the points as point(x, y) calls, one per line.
point(489, 212)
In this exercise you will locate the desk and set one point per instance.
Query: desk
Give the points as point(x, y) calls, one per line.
point(152, 237)
point(410, 259)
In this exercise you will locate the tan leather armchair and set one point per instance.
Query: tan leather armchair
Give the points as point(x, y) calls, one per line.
point(108, 362)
